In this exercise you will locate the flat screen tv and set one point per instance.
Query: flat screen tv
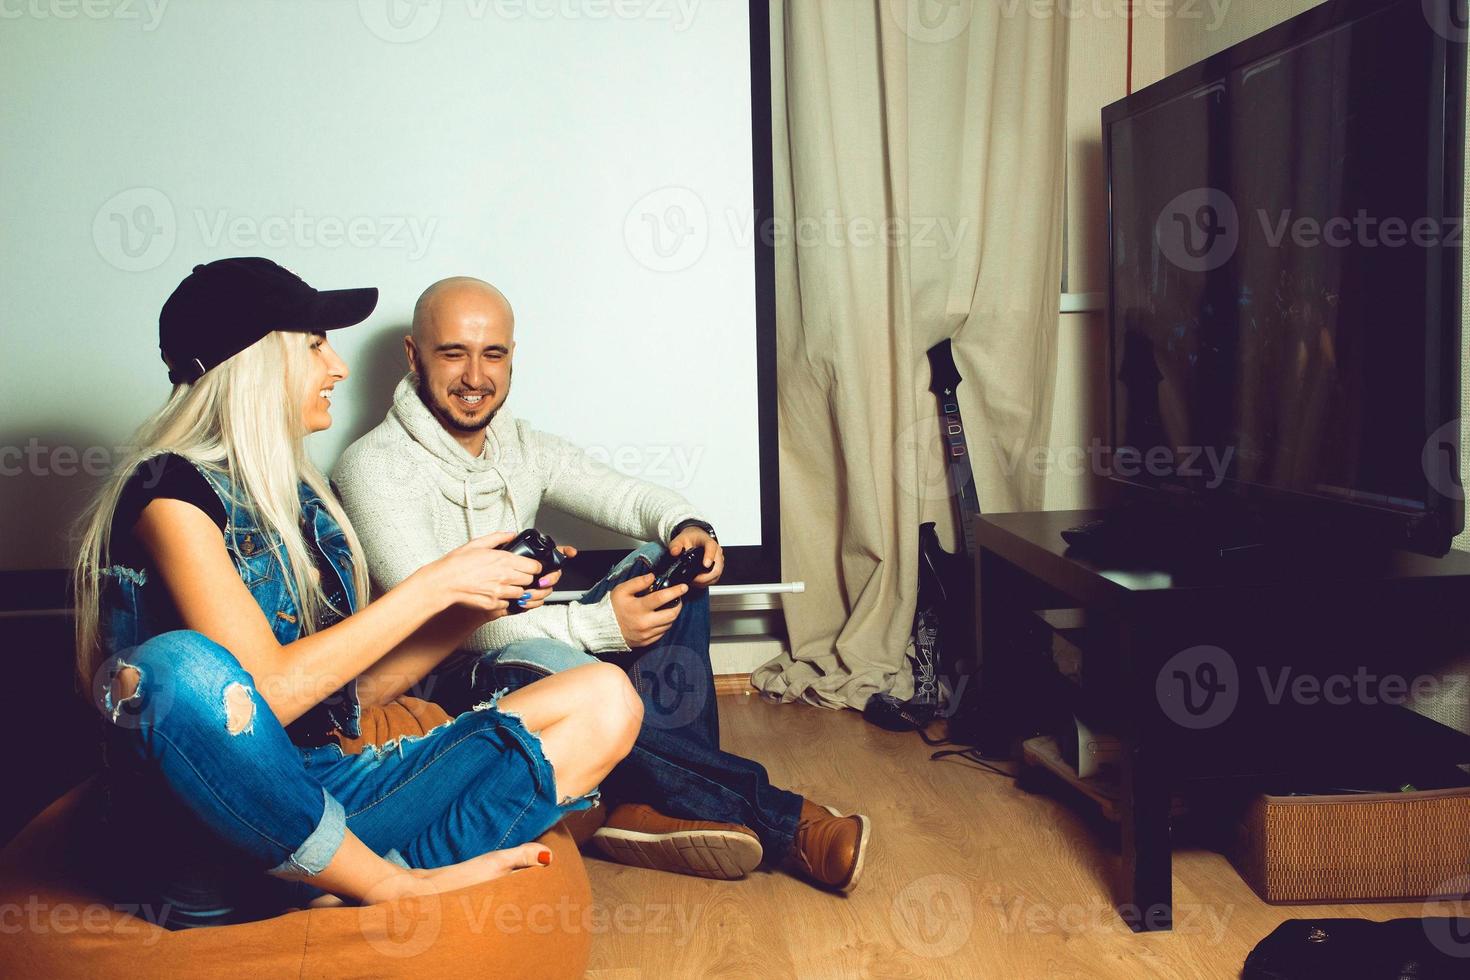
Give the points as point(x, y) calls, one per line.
point(1285, 233)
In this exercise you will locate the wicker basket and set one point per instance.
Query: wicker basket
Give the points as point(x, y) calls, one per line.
point(1382, 846)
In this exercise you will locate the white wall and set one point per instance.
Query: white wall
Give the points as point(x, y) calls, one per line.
point(592, 159)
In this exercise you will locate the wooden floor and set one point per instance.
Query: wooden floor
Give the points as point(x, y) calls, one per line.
point(969, 877)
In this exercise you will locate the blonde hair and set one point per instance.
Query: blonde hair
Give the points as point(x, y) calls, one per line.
point(242, 421)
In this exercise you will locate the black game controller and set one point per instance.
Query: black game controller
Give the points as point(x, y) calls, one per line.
point(673, 570)
point(538, 547)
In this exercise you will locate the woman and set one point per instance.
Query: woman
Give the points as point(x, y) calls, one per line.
point(222, 624)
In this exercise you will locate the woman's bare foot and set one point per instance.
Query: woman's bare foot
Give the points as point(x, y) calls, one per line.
point(477, 870)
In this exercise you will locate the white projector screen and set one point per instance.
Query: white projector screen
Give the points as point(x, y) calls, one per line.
point(598, 160)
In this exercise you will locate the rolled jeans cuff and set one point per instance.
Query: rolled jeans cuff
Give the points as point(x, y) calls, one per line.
point(321, 845)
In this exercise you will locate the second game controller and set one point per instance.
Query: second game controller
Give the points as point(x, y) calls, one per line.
point(673, 570)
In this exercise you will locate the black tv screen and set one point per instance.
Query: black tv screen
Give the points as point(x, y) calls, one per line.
point(1284, 274)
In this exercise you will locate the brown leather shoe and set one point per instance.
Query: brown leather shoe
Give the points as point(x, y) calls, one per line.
point(829, 848)
point(637, 834)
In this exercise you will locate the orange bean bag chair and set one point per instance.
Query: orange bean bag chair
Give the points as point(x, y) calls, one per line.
point(531, 923)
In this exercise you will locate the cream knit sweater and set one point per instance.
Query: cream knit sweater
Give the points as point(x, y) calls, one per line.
point(413, 494)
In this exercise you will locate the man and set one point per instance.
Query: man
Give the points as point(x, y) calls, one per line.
point(450, 463)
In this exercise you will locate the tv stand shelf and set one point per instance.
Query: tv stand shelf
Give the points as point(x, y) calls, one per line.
point(1293, 664)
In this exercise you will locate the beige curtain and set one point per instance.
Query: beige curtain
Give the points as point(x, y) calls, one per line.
point(919, 183)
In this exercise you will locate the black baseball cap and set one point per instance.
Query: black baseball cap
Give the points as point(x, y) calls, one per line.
point(223, 307)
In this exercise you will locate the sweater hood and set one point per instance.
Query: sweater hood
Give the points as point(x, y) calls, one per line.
point(474, 483)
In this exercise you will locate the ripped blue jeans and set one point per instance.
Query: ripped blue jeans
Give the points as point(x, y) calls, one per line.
point(207, 792)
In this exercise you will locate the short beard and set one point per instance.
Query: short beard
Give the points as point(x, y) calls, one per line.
point(445, 414)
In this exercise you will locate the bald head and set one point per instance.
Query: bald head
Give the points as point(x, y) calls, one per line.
point(458, 298)
point(460, 349)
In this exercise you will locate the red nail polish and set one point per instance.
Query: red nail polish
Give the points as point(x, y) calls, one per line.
point(544, 858)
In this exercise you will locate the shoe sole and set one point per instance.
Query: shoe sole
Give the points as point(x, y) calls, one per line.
point(722, 854)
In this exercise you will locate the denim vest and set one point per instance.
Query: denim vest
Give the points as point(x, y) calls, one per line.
point(133, 609)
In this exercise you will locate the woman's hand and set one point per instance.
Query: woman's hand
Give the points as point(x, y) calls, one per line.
point(546, 584)
point(480, 576)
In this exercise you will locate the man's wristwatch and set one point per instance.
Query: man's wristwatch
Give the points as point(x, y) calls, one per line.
point(707, 529)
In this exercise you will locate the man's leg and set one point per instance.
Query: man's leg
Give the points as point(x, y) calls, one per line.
point(686, 797)
point(681, 780)
point(703, 844)
point(674, 677)
point(667, 769)
point(677, 765)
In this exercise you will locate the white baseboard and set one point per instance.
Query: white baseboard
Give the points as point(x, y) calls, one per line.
point(743, 654)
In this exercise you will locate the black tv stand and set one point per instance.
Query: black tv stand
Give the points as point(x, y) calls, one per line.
point(1161, 624)
point(1179, 535)
point(1140, 532)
